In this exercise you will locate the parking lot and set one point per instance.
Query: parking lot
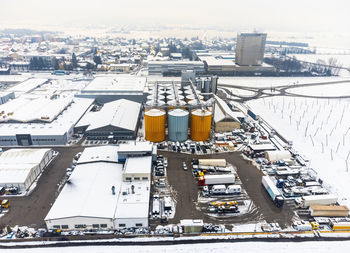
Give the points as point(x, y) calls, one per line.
point(186, 192)
point(31, 210)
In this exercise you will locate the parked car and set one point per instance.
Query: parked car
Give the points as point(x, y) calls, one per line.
point(184, 165)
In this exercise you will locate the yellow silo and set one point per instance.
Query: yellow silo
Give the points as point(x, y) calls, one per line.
point(155, 125)
point(200, 125)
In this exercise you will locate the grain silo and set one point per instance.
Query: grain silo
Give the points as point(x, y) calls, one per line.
point(192, 97)
point(172, 104)
point(155, 125)
point(200, 125)
point(173, 97)
point(178, 125)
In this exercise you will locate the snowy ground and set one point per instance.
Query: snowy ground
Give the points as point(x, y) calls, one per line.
point(319, 129)
point(246, 247)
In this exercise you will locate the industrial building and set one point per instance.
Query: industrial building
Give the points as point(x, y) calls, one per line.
point(105, 89)
point(6, 96)
point(174, 67)
point(20, 167)
point(250, 49)
point(104, 194)
point(114, 121)
point(224, 118)
point(26, 121)
point(27, 86)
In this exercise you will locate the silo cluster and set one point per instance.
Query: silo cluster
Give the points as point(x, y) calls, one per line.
point(171, 100)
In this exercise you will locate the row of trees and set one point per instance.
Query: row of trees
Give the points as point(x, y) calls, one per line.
point(38, 63)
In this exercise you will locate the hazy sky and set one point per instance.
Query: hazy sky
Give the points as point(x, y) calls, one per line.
point(278, 15)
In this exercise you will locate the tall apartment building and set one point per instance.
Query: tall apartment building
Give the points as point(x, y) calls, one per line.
point(250, 49)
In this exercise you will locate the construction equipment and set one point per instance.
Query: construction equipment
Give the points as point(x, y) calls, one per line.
point(5, 203)
point(223, 207)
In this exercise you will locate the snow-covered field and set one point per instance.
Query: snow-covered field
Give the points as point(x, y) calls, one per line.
point(319, 129)
point(271, 247)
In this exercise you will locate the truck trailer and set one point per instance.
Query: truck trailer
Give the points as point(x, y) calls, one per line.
point(216, 179)
point(272, 190)
point(324, 199)
point(212, 162)
point(340, 226)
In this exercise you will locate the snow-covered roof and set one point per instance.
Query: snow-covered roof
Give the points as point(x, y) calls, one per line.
point(121, 113)
point(25, 109)
point(133, 205)
point(63, 123)
point(142, 164)
point(23, 156)
point(222, 111)
point(28, 85)
point(116, 83)
point(88, 192)
point(133, 146)
point(99, 154)
point(16, 164)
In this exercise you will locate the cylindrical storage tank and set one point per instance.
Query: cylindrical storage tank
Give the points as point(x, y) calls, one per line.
point(172, 97)
point(207, 83)
point(155, 125)
point(173, 104)
point(192, 102)
point(188, 92)
point(152, 103)
point(159, 97)
point(192, 97)
point(199, 84)
point(178, 125)
point(200, 125)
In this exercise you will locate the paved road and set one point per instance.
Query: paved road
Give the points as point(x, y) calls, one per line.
point(31, 210)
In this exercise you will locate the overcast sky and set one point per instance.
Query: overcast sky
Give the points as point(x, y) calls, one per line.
point(277, 15)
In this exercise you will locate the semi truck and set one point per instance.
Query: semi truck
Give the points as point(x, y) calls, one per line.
point(272, 190)
point(216, 179)
point(340, 225)
point(324, 199)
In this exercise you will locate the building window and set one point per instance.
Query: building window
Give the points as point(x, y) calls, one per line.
point(103, 225)
point(139, 224)
point(80, 226)
point(57, 227)
point(122, 225)
point(128, 178)
point(64, 226)
point(144, 178)
point(136, 178)
point(95, 225)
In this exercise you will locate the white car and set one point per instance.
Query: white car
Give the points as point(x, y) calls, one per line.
point(184, 165)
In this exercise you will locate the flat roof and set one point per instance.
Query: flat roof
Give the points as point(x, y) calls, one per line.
point(106, 153)
point(116, 83)
point(89, 192)
point(136, 146)
point(141, 164)
point(133, 205)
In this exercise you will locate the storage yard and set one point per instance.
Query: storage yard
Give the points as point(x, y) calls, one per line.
point(174, 159)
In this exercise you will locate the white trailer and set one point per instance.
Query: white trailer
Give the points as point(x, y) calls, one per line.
point(273, 191)
point(217, 179)
point(274, 156)
point(324, 199)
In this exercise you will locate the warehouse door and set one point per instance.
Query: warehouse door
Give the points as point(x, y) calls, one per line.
point(24, 139)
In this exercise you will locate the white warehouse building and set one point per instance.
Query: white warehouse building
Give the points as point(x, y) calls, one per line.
point(20, 167)
point(97, 197)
